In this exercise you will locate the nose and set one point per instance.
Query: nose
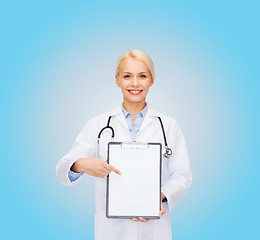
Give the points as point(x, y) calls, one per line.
point(134, 81)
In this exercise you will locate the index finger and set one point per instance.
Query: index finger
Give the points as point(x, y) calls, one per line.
point(112, 168)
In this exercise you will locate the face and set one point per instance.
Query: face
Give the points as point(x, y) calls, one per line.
point(134, 79)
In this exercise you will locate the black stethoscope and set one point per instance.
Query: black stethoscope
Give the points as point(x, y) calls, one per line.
point(167, 151)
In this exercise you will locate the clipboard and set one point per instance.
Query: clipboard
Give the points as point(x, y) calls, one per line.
point(137, 192)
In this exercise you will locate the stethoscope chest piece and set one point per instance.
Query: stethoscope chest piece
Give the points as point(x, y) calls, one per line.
point(167, 152)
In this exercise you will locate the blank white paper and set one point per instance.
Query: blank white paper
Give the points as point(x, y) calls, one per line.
point(137, 191)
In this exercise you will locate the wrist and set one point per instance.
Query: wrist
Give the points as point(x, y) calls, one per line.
point(76, 167)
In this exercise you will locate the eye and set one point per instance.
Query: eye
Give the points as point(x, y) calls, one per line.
point(143, 76)
point(127, 76)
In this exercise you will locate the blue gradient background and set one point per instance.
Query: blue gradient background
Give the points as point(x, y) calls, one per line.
point(57, 68)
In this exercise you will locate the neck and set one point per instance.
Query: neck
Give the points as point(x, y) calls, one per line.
point(134, 108)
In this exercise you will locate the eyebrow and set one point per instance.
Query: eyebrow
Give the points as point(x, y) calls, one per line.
point(131, 73)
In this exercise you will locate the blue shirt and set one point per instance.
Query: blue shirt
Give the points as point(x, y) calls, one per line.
point(138, 121)
point(132, 129)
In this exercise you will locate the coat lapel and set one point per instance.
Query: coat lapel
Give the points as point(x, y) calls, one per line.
point(148, 117)
point(122, 120)
point(117, 111)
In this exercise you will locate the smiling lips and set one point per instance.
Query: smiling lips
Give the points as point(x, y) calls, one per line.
point(135, 92)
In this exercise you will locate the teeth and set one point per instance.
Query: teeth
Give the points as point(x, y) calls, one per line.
point(135, 91)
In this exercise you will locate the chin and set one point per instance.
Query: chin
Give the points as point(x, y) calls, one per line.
point(134, 100)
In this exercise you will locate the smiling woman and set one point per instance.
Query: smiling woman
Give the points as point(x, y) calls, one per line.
point(134, 78)
point(133, 120)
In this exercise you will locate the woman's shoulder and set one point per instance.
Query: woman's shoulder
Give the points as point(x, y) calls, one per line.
point(164, 117)
point(103, 117)
point(170, 123)
point(95, 123)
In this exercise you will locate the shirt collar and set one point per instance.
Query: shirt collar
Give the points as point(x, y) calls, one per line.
point(118, 110)
point(141, 114)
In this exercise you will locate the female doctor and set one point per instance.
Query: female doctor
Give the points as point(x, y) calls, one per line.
point(132, 120)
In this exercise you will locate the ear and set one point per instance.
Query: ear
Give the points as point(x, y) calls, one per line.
point(151, 83)
point(117, 81)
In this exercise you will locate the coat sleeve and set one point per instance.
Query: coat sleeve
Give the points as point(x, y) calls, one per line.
point(84, 146)
point(179, 172)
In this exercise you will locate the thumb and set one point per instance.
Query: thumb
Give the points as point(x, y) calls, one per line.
point(162, 210)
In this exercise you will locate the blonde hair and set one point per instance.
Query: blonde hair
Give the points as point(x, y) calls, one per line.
point(138, 55)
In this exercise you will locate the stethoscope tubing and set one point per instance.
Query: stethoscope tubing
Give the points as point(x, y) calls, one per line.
point(168, 151)
point(107, 126)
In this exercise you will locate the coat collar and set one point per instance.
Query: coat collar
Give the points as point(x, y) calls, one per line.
point(146, 121)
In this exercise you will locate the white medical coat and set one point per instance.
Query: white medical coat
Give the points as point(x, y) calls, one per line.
point(176, 172)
